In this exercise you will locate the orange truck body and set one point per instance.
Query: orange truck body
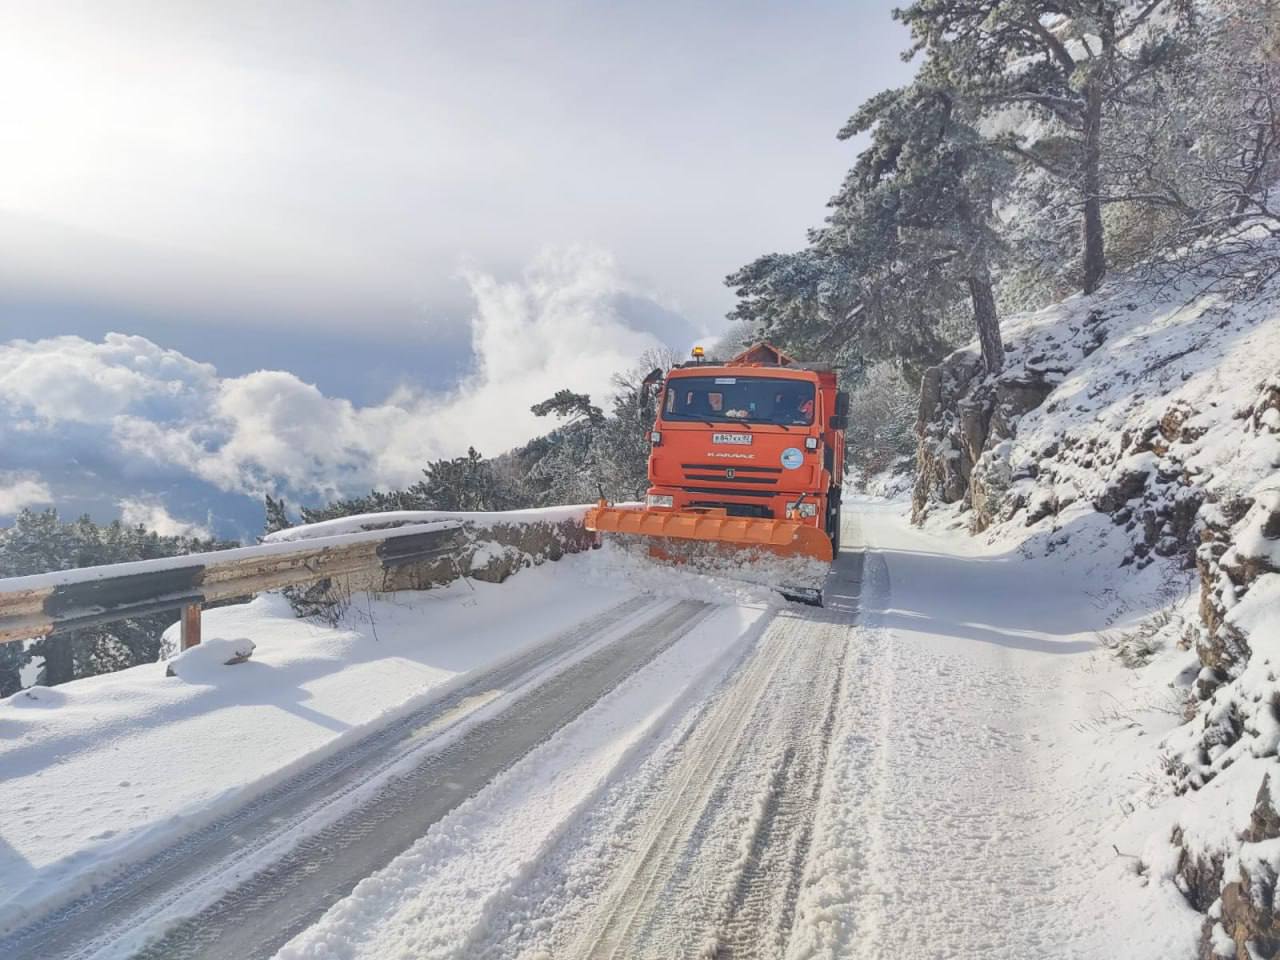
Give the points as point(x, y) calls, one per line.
point(748, 453)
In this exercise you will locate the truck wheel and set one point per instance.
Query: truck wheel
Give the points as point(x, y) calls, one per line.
point(834, 527)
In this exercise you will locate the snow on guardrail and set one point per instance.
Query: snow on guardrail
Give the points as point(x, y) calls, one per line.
point(380, 552)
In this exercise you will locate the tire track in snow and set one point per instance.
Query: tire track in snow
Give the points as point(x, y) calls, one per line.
point(184, 877)
point(630, 903)
point(716, 868)
point(763, 905)
point(274, 905)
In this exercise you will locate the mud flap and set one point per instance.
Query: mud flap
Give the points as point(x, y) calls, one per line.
point(807, 595)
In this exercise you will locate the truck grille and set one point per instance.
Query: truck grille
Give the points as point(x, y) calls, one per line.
point(730, 492)
point(718, 473)
point(722, 467)
point(738, 509)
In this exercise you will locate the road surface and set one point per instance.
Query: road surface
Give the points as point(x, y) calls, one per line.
point(674, 777)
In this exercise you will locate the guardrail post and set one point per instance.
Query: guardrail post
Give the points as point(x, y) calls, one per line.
point(190, 631)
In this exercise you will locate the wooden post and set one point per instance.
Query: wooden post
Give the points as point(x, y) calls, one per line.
point(190, 635)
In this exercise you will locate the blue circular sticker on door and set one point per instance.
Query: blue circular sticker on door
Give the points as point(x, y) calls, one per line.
point(792, 458)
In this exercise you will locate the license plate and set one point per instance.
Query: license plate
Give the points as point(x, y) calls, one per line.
point(743, 439)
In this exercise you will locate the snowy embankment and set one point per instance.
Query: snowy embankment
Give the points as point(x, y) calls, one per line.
point(1137, 433)
point(111, 767)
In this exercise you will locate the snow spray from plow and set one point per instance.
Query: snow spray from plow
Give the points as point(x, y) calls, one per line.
point(785, 556)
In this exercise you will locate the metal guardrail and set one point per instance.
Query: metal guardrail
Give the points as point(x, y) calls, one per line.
point(46, 604)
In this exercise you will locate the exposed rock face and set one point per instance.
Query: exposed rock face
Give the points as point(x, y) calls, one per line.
point(1245, 913)
point(1236, 550)
point(1199, 877)
point(963, 418)
point(492, 553)
point(943, 463)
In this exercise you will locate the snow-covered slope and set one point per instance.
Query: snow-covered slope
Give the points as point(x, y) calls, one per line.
point(1137, 432)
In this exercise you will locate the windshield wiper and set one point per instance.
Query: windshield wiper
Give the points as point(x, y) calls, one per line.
point(771, 423)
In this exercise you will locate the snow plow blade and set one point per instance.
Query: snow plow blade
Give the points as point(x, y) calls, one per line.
point(786, 538)
point(800, 555)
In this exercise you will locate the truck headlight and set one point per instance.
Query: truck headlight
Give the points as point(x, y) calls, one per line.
point(806, 508)
point(659, 500)
point(811, 443)
point(655, 437)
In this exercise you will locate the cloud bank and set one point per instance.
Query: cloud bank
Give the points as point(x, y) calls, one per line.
point(18, 492)
point(129, 406)
point(154, 516)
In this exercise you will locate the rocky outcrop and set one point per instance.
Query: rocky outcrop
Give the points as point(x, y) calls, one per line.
point(1199, 875)
point(1240, 542)
point(963, 419)
point(942, 464)
point(1244, 914)
point(492, 552)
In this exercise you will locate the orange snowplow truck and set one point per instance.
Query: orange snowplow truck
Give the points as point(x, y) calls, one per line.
point(746, 454)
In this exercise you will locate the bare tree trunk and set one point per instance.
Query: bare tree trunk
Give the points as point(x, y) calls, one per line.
point(1094, 238)
point(1254, 161)
point(59, 659)
point(984, 314)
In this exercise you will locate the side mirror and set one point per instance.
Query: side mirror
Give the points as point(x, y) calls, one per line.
point(840, 419)
point(652, 381)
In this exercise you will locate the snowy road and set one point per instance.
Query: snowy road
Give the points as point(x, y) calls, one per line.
point(674, 777)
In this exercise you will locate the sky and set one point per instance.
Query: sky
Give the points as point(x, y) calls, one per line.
point(426, 212)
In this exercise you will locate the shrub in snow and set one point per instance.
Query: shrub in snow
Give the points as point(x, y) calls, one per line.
point(203, 663)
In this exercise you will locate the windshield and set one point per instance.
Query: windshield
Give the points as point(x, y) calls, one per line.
point(746, 399)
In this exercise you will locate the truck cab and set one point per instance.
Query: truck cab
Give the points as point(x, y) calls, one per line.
point(756, 436)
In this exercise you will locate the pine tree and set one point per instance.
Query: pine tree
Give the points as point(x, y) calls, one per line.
point(277, 517)
point(41, 542)
point(570, 407)
point(1065, 63)
point(462, 483)
point(931, 180)
point(810, 303)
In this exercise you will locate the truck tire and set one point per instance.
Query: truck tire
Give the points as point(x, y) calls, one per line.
point(833, 527)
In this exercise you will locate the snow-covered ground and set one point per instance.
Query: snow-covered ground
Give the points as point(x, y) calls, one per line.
point(944, 762)
point(114, 766)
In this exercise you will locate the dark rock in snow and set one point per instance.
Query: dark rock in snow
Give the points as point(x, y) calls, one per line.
point(1247, 913)
point(1127, 486)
